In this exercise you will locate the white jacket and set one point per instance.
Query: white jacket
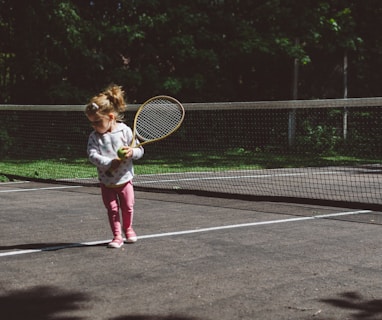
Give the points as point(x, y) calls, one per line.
point(102, 149)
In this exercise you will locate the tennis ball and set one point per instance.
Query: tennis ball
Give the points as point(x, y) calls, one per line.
point(121, 153)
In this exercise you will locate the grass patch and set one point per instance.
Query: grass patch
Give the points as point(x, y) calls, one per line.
point(198, 161)
point(48, 169)
point(240, 159)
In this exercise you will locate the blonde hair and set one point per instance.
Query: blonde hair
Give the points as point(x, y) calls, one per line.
point(109, 101)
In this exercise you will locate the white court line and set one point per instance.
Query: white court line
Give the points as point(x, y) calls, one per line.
point(13, 182)
point(177, 233)
point(236, 177)
point(38, 189)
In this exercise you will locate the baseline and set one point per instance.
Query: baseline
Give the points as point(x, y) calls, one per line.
point(184, 232)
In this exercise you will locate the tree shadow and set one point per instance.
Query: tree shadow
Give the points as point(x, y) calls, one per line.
point(364, 309)
point(42, 302)
point(48, 303)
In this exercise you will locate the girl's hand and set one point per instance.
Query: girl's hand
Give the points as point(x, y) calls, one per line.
point(128, 152)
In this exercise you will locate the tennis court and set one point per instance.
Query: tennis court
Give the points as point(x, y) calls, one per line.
point(197, 257)
point(351, 185)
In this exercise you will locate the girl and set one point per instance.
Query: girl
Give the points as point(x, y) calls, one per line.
point(109, 139)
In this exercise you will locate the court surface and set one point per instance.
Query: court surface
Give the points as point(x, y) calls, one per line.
point(196, 258)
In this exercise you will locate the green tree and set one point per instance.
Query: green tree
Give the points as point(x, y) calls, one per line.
point(203, 50)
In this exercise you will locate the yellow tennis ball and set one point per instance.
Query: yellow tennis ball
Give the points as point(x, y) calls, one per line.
point(121, 153)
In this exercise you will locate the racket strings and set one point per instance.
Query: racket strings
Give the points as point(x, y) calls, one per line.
point(158, 119)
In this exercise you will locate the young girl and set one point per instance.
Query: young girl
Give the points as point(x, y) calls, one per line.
point(106, 145)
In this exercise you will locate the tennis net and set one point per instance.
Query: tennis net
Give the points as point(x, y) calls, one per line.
point(315, 150)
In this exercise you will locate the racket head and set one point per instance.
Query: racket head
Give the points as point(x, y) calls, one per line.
point(157, 118)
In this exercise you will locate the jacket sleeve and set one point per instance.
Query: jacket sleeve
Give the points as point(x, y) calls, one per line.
point(137, 152)
point(95, 156)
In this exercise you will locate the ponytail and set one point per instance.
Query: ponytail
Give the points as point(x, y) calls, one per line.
point(115, 95)
point(110, 101)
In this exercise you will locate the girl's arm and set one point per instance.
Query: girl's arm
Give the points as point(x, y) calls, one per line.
point(133, 153)
point(95, 156)
point(137, 153)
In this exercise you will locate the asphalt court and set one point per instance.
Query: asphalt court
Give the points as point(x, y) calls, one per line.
point(196, 258)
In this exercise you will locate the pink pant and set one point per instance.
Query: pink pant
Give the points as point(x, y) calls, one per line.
point(115, 199)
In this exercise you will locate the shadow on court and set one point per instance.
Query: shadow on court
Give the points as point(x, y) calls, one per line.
point(47, 303)
point(353, 301)
point(197, 258)
point(40, 302)
point(47, 246)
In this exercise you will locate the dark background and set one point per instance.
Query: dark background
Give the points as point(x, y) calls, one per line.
point(63, 52)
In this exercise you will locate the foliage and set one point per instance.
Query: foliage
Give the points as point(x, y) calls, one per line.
point(319, 139)
point(62, 52)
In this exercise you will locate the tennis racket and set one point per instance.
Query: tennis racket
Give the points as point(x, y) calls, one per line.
point(156, 119)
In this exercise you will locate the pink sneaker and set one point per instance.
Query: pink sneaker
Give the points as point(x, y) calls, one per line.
point(131, 236)
point(116, 243)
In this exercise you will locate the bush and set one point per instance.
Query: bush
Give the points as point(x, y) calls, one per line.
point(320, 139)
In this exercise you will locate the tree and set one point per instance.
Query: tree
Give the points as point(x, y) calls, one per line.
point(203, 50)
